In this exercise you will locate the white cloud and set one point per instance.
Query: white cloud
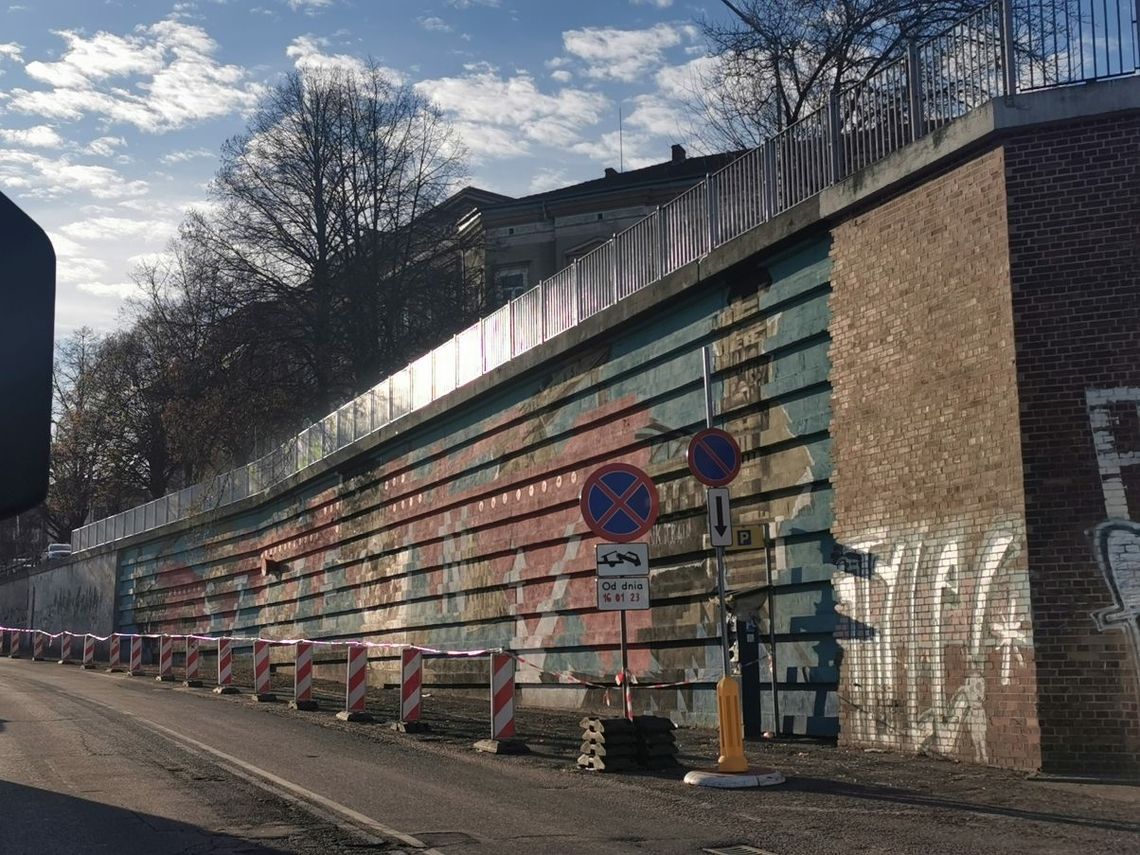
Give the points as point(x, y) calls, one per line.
point(498, 116)
point(38, 136)
point(105, 146)
point(612, 54)
point(547, 179)
point(631, 150)
point(308, 54)
point(434, 24)
point(562, 75)
point(42, 177)
point(159, 78)
point(310, 7)
point(119, 290)
point(660, 4)
point(118, 228)
point(72, 270)
point(467, 4)
point(11, 50)
point(183, 156)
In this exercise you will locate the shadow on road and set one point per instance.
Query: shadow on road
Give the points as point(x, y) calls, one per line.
point(907, 797)
point(38, 821)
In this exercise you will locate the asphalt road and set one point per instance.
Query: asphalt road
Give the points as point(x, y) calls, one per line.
point(91, 762)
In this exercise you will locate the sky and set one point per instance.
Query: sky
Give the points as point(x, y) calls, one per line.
point(112, 112)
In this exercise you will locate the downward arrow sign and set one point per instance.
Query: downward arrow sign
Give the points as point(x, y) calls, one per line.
point(719, 526)
point(720, 517)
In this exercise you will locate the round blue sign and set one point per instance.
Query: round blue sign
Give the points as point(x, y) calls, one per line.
point(714, 457)
point(619, 502)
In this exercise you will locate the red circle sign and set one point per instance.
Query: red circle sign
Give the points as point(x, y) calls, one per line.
point(619, 502)
point(714, 457)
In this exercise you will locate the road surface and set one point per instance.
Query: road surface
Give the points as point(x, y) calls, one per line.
point(92, 762)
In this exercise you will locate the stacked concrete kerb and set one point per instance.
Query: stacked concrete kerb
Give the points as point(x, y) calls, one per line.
point(608, 745)
point(656, 745)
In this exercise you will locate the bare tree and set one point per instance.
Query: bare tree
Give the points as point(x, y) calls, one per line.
point(316, 230)
point(775, 61)
point(79, 460)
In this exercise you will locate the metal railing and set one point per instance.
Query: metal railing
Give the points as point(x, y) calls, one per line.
point(1003, 48)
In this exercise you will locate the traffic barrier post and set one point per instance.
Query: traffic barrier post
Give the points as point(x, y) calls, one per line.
point(356, 685)
point(88, 652)
point(502, 708)
point(303, 677)
point(114, 657)
point(65, 649)
point(135, 668)
point(165, 659)
point(411, 685)
point(193, 660)
point(225, 668)
point(14, 650)
point(262, 688)
point(38, 647)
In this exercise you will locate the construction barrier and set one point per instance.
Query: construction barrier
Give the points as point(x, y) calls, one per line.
point(65, 649)
point(303, 676)
point(261, 680)
point(355, 684)
point(115, 656)
point(14, 650)
point(165, 659)
point(225, 667)
point(38, 647)
point(88, 651)
point(192, 662)
point(135, 668)
point(411, 683)
point(502, 696)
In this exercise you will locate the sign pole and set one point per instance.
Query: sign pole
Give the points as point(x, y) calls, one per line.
point(706, 354)
point(626, 694)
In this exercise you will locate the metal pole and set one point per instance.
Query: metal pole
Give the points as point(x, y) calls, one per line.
point(1008, 49)
point(769, 546)
point(706, 357)
point(914, 91)
point(626, 694)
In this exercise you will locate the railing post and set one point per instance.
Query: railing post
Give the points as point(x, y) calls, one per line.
point(613, 268)
point(834, 129)
point(914, 91)
point(1008, 49)
point(662, 255)
point(576, 281)
point(711, 210)
point(771, 189)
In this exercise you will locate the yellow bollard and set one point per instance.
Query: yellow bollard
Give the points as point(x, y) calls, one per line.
point(731, 720)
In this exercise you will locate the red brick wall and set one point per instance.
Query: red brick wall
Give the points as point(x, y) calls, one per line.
point(1074, 228)
point(929, 511)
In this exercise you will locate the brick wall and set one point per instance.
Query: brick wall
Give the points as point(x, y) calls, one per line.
point(1074, 226)
point(932, 575)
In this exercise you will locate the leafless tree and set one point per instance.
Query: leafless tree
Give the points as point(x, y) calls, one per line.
point(775, 61)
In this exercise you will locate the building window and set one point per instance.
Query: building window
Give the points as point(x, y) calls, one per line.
point(510, 282)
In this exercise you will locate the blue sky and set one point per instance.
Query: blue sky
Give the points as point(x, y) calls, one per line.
point(112, 113)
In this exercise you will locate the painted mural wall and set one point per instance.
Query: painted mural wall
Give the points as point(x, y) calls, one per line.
point(932, 575)
point(464, 531)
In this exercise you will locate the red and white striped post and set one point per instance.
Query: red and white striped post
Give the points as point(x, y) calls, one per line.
point(502, 708)
point(38, 647)
point(262, 686)
point(115, 657)
point(88, 652)
point(65, 649)
point(502, 696)
point(411, 684)
point(135, 668)
point(193, 660)
point(225, 668)
point(303, 677)
point(356, 684)
point(165, 659)
point(14, 650)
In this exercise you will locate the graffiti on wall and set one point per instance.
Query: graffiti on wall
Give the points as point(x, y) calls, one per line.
point(1114, 416)
point(935, 620)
